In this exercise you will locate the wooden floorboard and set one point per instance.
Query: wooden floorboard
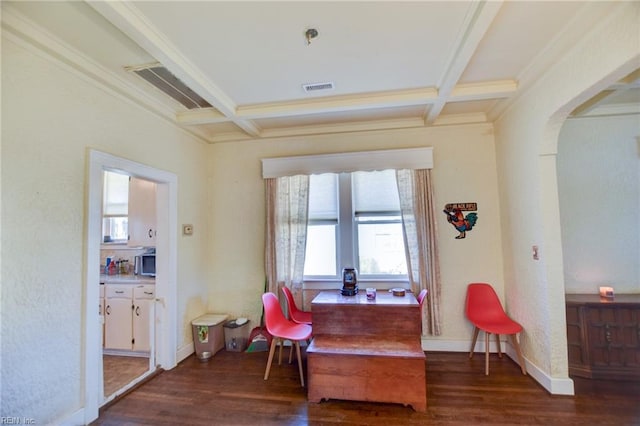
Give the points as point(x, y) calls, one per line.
point(230, 390)
point(119, 371)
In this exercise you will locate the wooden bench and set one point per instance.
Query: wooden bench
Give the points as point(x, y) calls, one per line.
point(367, 351)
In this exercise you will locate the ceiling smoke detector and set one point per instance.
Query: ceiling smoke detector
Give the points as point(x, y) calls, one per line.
point(314, 87)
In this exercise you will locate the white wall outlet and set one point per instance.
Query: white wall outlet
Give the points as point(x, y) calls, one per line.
point(187, 229)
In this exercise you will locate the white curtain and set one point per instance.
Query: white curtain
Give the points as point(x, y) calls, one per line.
point(287, 202)
point(420, 234)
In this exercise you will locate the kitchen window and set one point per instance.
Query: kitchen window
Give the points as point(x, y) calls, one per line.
point(354, 221)
point(115, 220)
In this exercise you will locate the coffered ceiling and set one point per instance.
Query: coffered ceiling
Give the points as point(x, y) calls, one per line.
point(392, 64)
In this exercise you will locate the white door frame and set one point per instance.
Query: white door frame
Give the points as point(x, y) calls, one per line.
point(166, 278)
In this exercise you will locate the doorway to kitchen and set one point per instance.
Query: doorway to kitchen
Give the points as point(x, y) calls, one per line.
point(163, 341)
point(127, 284)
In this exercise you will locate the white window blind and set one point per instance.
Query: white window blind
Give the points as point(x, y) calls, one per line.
point(375, 192)
point(323, 205)
point(115, 194)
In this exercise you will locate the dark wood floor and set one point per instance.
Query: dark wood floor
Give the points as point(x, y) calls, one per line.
point(230, 390)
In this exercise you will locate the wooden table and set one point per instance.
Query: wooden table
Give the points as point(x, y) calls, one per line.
point(367, 350)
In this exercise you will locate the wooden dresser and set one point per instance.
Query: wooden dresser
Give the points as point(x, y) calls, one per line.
point(367, 350)
point(603, 336)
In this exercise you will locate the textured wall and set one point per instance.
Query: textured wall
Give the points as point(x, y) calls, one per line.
point(50, 117)
point(600, 232)
point(464, 170)
point(526, 139)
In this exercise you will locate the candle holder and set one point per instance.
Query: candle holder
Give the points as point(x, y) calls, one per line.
point(606, 292)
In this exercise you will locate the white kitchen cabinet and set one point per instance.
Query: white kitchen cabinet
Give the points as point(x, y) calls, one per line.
point(101, 303)
point(143, 299)
point(142, 213)
point(101, 311)
point(128, 312)
point(118, 307)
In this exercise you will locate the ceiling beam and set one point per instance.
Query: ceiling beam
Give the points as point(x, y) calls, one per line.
point(477, 23)
point(201, 116)
point(359, 126)
point(482, 91)
point(465, 92)
point(338, 104)
point(128, 19)
point(457, 119)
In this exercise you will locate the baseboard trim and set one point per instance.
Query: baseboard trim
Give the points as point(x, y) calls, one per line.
point(184, 352)
point(77, 418)
point(553, 385)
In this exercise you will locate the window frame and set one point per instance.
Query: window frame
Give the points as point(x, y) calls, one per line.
point(347, 252)
point(108, 215)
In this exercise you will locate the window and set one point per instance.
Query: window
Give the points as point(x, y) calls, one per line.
point(354, 221)
point(115, 222)
point(322, 229)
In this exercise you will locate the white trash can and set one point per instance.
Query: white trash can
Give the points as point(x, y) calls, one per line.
point(208, 336)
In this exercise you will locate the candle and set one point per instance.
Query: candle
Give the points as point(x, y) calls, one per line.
point(606, 291)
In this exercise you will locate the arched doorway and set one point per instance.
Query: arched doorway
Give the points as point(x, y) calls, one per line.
point(550, 208)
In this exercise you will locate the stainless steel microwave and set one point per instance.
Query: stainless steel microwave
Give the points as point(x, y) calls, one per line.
point(145, 264)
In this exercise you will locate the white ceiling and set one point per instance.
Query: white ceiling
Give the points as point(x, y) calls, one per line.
point(394, 64)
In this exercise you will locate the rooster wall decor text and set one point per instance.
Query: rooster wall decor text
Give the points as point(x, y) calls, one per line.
point(459, 220)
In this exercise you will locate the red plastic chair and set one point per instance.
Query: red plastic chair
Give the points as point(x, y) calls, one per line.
point(295, 314)
point(282, 329)
point(484, 310)
point(421, 296)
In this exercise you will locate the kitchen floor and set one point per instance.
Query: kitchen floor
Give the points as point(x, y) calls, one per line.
point(121, 370)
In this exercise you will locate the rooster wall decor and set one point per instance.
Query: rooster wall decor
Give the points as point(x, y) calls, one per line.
point(459, 221)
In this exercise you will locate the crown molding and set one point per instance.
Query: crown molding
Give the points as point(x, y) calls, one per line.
point(21, 30)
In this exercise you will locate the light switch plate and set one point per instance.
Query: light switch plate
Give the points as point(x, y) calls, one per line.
point(187, 229)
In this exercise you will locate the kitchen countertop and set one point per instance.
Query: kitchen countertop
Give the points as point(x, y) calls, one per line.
point(126, 279)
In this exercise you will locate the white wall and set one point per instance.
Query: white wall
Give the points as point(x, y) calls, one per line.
point(50, 117)
point(526, 140)
point(464, 171)
point(599, 191)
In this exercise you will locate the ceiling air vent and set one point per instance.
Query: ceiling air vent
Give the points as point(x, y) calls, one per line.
point(161, 78)
point(314, 87)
